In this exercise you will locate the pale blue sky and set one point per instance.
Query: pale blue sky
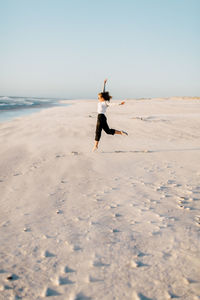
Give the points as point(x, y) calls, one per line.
point(65, 48)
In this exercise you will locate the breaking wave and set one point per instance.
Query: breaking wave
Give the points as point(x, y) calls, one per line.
point(10, 103)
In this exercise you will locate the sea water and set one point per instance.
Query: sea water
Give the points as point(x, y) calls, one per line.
point(13, 107)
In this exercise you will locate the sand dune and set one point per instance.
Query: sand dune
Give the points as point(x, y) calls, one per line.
point(121, 223)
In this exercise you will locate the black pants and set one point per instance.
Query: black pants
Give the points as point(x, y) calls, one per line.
point(102, 124)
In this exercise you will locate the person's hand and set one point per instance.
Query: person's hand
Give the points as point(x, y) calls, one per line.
point(122, 102)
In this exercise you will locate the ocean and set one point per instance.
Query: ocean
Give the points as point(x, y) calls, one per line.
point(12, 107)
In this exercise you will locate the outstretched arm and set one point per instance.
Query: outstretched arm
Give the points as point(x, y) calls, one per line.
point(104, 85)
point(114, 104)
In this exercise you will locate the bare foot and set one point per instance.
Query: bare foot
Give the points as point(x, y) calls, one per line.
point(124, 133)
point(95, 149)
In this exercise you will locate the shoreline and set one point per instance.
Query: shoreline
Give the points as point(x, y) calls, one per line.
point(11, 114)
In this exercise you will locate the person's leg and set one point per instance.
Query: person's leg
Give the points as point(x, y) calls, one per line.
point(111, 131)
point(121, 132)
point(95, 145)
point(118, 132)
point(106, 127)
point(98, 133)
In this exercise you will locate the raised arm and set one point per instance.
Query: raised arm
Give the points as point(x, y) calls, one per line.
point(104, 85)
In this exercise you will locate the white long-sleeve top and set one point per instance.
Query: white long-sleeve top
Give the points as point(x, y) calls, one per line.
point(102, 106)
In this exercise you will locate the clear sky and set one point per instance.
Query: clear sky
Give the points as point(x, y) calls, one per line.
point(65, 48)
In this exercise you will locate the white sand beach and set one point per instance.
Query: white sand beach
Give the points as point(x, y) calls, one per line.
point(121, 223)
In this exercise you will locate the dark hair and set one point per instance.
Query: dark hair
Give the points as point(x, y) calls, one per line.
point(105, 95)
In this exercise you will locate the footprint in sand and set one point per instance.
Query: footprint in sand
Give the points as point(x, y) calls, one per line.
point(60, 155)
point(190, 280)
point(181, 206)
point(195, 199)
point(5, 287)
point(142, 297)
point(81, 296)
point(197, 219)
point(183, 198)
point(48, 254)
point(142, 254)
point(27, 229)
point(162, 188)
point(94, 279)
point(183, 201)
point(75, 153)
point(114, 189)
point(138, 264)
point(99, 264)
point(99, 199)
point(17, 174)
point(64, 281)
point(6, 223)
point(63, 181)
point(113, 206)
point(115, 230)
point(172, 295)
point(68, 270)
point(171, 181)
point(77, 248)
point(12, 277)
point(49, 292)
point(117, 215)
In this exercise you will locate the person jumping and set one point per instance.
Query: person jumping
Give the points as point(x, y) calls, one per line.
point(104, 103)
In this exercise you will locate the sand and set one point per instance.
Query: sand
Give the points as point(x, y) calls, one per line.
point(120, 223)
